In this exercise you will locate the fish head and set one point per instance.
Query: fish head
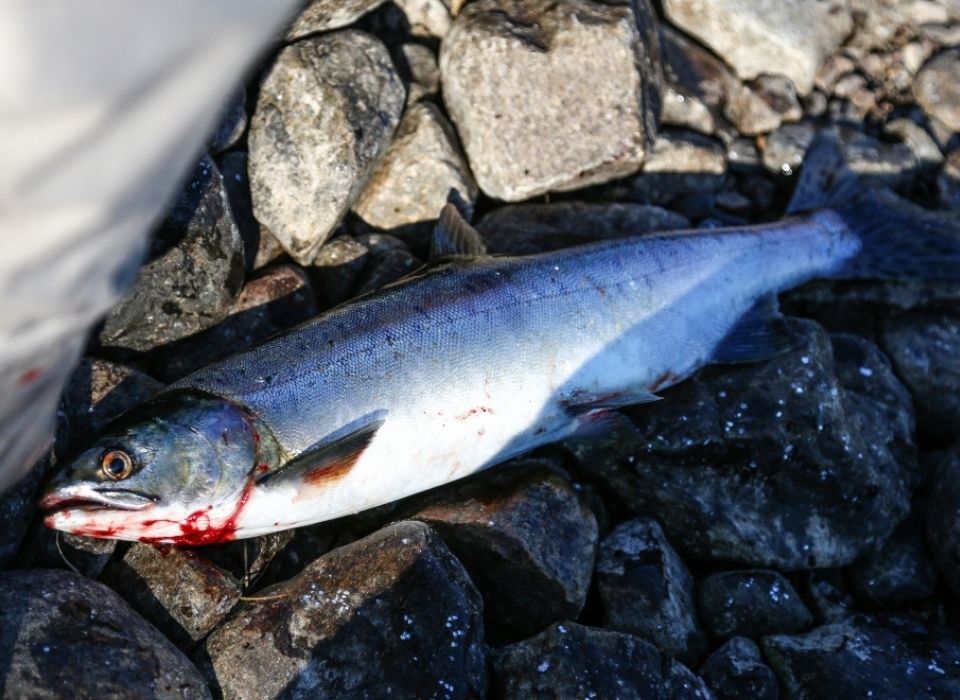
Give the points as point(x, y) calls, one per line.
point(177, 470)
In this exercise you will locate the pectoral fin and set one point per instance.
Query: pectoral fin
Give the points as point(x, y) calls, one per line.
point(454, 237)
point(760, 334)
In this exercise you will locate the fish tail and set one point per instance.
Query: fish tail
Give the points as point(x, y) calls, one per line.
point(898, 240)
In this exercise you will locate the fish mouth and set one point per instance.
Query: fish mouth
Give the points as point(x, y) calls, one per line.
point(89, 498)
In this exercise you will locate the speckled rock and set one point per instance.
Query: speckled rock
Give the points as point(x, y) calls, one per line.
point(867, 657)
point(527, 541)
point(551, 95)
point(232, 123)
point(750, 604)
point(65, 636)
point(646, 590)
point(328, 107)
point(776, 464)
point(276, 299)
point(785, 38)
point(943, 518)
point(393, 613)
point(324, 15)
point(427, 18)
point(336, 267)
point(421, 171)
point(419, 69)
point(735, 671)
point(524, 229)
point(695, 83)
point(924, 347)
point(178, 590)
point(937, 88)
point(568, 660)
point(193, 272)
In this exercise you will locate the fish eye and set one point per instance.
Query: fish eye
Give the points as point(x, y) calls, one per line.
point(116, 464)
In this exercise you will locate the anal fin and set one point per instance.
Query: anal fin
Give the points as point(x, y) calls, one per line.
point(760, 334)
point(582, 402)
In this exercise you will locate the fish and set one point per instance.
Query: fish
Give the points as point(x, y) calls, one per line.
point(467, 363)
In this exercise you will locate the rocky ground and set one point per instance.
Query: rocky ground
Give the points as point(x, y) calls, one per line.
point(786, 529)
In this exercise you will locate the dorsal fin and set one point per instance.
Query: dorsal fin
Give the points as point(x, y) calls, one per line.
point(454, 237)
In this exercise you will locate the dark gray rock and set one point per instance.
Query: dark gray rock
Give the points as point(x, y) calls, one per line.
point(524, 229)
point(178, 590)
point(775, 464)
point(568, 660)
point(921, 144)
point(828, 595)
point(336, 267)
point(193, 272)
point(278, 298)
point(943, 518)
point(646, 590)
point(867, 657)
point(527, 541)
point(937, 88)
point(924, 347)
point(393, 613)
point(324, 15)
point(232, 123)
point(550, 95)
point(386, 266)
point(312, 149)
point(17, 506)
point(948, 183)
point(65, 636)
point(260, 248)
point(735, 671)
point(750, 604)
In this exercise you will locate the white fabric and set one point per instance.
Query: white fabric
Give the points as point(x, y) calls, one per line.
point(103, 106)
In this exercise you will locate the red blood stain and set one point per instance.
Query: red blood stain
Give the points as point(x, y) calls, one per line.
point(474, 412)
point(197, 528)
point(667, 377)
point(263, 468)
point(30, 376)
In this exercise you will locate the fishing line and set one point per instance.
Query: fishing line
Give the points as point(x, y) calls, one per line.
point(64, 556)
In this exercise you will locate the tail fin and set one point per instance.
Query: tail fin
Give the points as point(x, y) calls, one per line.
point(900, 240)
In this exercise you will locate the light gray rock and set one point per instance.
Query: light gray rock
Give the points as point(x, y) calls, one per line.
point(327, 109)
point(324, 15)
point(762, 105)
point(766, 36)
point(786, 147)
point(427, 18)
point(937, 88)
point(696, 83)
point(420, 70)
point(924, 148)
point(419, 173)
point(551, 95)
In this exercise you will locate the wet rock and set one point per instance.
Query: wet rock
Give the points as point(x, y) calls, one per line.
point(527, 541)
point(193, 272)
point(750, 604)
point(647, 590)
point(63, 635)
point(943, 518)
point(397, 599)
point(867, 657)
point(275, 300)
point(335, 269)
point(568, 660)
point(232, 123)
point(696, 83)
point(776, 464)
point(786, 147)
point(178, 590)
point(324, 15)
point(937, 88)
point(551, 96)
point(735, 671)
point(790, 39)
point(419, 68)
point(421, 171)
point(924, 346)
point(326, 112)
point(900, 571)
point(524, 229)
point(427, 18)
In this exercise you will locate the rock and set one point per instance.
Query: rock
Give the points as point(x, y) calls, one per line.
point(17, 506)
point(776, 464)
point(524, 229)
point(276, 299)
point(324, 15)
point(735, 671)
point(937, 88)
point(335, 269)
point(327, 109)
point(925, 150)
point(696, 83)
point(393, 613)
point(385, 268)
point(65, 636)
point(681, 162)
point(898, 573)
point(786, 147)
point(178, 590)
point(551, 96)
point(827, 593)
point(232, 123)
point(924, 346)
point(763, 105)
point(247, 560)
point(259, 246)
point(948, 183)
point(193, 273)
point(867, 657)
point(646, 590)
point(527, 542)
point(568, 660)
point(421, 171)
point(427, 18)
point(943, 518)
point(790, 39)
point(419, 69)
point(750, 604)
